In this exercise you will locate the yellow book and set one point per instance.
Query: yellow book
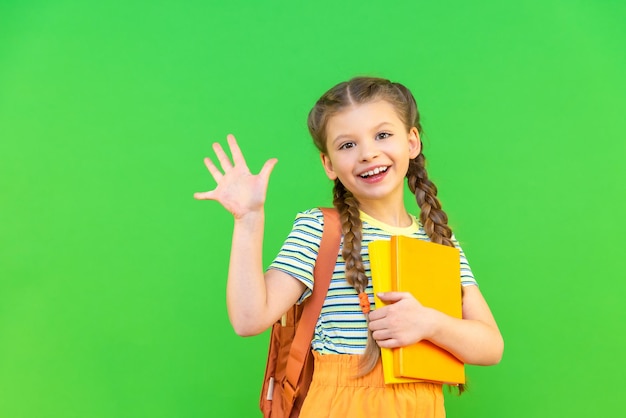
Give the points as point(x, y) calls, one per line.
point(431, 273)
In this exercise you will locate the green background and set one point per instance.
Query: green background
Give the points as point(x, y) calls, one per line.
point(112, 278)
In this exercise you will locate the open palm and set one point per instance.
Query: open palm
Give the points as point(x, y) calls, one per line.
point(238, 190)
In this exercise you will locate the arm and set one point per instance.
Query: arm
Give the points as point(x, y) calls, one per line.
point(475, 339)
point(255, 300)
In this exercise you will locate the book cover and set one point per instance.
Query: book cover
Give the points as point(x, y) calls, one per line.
point(380, 266)
point(431, 273)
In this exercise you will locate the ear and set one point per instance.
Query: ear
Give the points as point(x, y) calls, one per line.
point(328, 166)
point(415, 143)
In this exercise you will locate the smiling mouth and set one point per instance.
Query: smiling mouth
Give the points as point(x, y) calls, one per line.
point(373, 172)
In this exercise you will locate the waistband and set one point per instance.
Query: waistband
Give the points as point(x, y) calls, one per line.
point(341, 370)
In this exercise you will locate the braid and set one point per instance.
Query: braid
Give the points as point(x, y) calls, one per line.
point(432, 217)
point(352, 229)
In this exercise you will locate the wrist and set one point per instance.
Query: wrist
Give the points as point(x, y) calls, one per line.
point(437, 324)
point(250, 218)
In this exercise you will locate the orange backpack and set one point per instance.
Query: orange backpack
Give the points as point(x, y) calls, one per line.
point(289, 366)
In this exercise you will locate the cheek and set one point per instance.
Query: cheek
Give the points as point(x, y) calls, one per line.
point(402, 164)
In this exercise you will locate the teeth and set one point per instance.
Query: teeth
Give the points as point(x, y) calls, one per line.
point(375, 171)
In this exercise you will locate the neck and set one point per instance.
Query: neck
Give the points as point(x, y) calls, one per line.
point(394, 215)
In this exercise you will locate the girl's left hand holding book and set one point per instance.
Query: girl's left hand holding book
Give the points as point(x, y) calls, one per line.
point(404, 321)
point(475, 339)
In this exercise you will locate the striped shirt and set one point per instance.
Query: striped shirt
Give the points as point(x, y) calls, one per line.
point(341, 327)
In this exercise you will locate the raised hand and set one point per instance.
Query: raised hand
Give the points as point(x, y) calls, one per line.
point(238, 190)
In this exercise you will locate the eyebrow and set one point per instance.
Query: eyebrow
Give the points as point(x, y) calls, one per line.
point(347, 136)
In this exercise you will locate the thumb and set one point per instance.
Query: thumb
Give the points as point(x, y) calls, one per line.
point(204, 195)
point(267, 168)
point(391, 297)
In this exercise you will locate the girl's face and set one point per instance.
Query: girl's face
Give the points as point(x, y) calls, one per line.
point(369, 150)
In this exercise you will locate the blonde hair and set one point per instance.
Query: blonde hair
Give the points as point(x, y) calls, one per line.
point(356, 91)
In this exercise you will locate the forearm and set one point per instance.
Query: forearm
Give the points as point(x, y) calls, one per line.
point(471, 341)
point(246, 292)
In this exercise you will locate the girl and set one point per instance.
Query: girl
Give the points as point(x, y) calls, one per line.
point(368, 133)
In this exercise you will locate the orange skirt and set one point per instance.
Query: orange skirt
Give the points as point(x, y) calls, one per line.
point(336, 393)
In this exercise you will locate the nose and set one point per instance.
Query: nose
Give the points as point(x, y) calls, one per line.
point(369, 150)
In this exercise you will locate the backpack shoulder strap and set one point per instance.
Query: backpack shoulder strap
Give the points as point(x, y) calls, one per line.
point(324, 267)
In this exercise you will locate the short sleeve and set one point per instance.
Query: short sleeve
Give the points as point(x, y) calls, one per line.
point(467, 277)
point(299, 251)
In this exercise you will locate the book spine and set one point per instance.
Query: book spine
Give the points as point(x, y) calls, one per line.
point(393, 253)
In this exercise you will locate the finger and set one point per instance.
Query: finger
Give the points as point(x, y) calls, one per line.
point(379, 325)
point(217, 174)
point(389, 343)
point(222, 158)
point(204, 195)
point(392, 297)
point(377, 314)
point(381, 335)
point(267, 168)
point(235, 151)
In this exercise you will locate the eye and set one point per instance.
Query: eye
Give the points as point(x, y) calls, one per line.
point(383, 135)
point(347, 145)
